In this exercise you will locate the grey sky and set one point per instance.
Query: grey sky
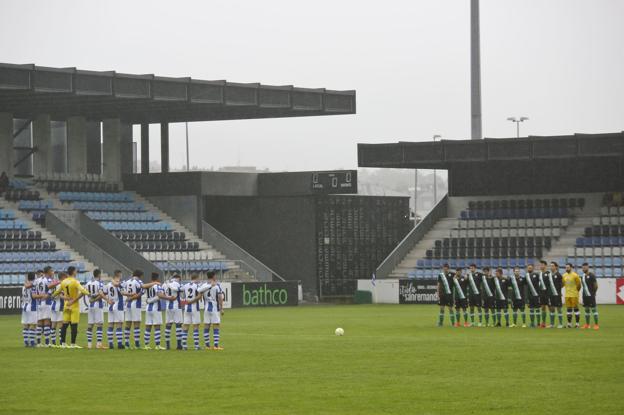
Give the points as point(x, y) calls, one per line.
point(559, 62)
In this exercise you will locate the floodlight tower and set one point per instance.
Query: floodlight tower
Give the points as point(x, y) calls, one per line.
point(475, 72)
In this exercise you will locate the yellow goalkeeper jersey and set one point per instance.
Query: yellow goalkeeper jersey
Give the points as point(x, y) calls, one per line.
point(572, 284)
point(71, 288)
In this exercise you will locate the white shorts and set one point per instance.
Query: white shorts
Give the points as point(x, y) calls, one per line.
point(44, 312)
point(153, 318)
point(212, 317)
point(192, 317)
point(115, 316)
point(132, 314)
point(57, 316)
point(96, 316)
point(173, 316)
point(29, 317)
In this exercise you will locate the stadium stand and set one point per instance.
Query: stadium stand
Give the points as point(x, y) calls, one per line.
point(510, 232)
point(24, 245)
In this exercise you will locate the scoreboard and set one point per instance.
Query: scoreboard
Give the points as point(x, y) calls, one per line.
point(334, 182)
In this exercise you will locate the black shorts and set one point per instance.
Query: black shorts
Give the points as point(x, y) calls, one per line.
point(475, 300)
point(446, 300)
point(461, 303)
point(543, 298)
point(534, 301)
point(518, 304)
point(502, 304)
point(589, 301)
point(489, 303)
point(555, 301)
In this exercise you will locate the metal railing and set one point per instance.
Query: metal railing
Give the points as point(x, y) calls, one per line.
point(439, 211)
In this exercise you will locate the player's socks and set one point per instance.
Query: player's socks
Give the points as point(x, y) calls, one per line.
point(157, 336)
point(472, 317)
point(569, 315)
point(515, 316)
point(179, 335)
point(480, 316)
point(207, 337)
point(441, 318)
point(184, 338)
point(532, 317)
point(560, 317)
point(64, 332)
point(98, 334)
point(577, 315)
point(452, 317)
point(89, 335)
point(552, 318)
point(53, 335)
point(26, 336)
point(168, 335)
point(543, 316)
point(146, 336)
point(487, 317)
point(39, 331)
point(109, 336)
point(587, 315)
point(216, 337)
point(46, 335)
point(507, 317)
point(137, 337)
point(196, 338)
point(465, 317)
point(126, 334)
point(119, 335)
point(74, 332)
point(595, 311)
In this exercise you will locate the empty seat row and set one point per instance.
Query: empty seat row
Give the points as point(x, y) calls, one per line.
point(164, 246)
point(480, 262)
point(150, 236)
point(495, 242)
point(513, 223)
point(598, 251)
point(109, 206)
point(12, 224)
point(7, 214)
point(527, 203)
point(124, 216)
point(176, 256)
point(612, 211)
point(20, 235)
point(605, 230)
point(14, 195)
point(76, 177)
point(600, 241)
point(24, 267)
point(35, 205)
point(136, 226)
point(515, 213)
point(18, 279)
point(608, 220)
point(505, 233)
point(485, 252)
point(185, 266)
point(27, 246)
point(81, 186)
point(18, 184)
point(94, 197)
point(50, 256)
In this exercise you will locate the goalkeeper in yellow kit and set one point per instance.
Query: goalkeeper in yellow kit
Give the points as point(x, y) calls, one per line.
point(71, 291)
point(572, 285)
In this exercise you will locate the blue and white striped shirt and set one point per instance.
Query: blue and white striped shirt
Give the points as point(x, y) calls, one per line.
point(191, 292)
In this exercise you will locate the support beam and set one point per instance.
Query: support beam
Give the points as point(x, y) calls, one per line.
point(111, 149)
point(42, 141)
point(127, 161)
point(94, 147)
point(6, 143)
point(475, 72)
point(164, 147)
point(145, 148)
point(77, 145)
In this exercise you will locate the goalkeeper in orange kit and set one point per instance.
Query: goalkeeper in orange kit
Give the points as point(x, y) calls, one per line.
point(71, 291)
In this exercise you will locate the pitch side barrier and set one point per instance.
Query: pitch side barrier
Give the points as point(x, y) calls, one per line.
point(425, 291)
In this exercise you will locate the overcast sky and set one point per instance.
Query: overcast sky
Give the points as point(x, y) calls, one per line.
point(559, 62)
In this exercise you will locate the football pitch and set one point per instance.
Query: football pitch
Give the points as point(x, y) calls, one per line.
point(392, 359)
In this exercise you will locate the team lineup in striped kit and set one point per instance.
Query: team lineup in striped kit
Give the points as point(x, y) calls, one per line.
point(50, 307)
point(479, 296)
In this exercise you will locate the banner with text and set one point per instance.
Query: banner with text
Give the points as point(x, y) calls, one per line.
point(10, 300)
point(418, 291)
point(264, 294)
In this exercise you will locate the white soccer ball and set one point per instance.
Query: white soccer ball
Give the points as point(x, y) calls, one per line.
point(339, 331)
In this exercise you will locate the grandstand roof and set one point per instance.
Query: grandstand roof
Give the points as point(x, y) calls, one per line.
point(446, 153)
point(28, 90)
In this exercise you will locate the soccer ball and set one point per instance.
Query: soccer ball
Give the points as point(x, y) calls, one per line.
point(339, 332)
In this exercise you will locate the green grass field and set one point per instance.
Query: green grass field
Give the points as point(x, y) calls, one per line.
point(288, 361)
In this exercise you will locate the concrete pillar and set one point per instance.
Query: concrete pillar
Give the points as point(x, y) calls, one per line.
point(145, 148)
point(6, 143)
point(94, 147)
point(42, 141)
point(164, 147)
point(127, 151)
point(111, 149)
point(77, 145)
